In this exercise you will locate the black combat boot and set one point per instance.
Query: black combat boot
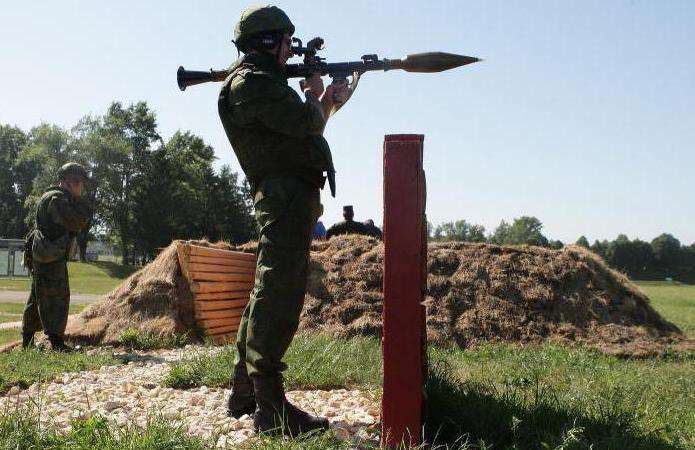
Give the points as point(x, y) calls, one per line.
point(27, 340)
point(241, 400)
point(274, 414)
point(58, 344)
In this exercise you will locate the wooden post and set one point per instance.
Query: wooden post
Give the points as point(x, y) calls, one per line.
point(405, 258)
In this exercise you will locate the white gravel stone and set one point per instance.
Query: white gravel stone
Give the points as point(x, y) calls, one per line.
point(111, 406)
point(14, 390)
point(129, 394)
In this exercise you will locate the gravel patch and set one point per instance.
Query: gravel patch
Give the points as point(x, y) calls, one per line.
point(131, 393)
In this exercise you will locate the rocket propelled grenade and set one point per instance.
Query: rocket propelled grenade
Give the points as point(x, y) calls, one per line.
point(429, 62)
point(420, 62)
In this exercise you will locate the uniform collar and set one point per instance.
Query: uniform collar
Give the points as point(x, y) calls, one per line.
point(265, 62)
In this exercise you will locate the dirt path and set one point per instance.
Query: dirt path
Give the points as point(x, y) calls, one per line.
point(21, 297)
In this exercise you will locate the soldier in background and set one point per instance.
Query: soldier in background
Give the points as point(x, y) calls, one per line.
point(347, 226)
point(60, 215)
point(319, 231)
point(372, 229)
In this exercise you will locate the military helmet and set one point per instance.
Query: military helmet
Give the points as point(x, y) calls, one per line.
point(72, 169)
point(257, 20)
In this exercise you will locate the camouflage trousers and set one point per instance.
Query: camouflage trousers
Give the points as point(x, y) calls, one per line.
point(286, 212)
point(49, 301)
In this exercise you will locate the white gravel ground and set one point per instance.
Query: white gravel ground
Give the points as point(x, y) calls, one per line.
point(131, 393)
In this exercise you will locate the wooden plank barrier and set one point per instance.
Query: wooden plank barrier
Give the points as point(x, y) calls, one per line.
point(221, 282)
point(404, 337)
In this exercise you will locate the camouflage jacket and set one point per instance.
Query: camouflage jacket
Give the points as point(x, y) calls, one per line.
point(272, 131)
point(347, 227)
point(59, 213)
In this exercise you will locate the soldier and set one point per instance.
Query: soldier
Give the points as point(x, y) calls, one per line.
point(347, 226)
point(372, 229)
point(60, 214)
point(278, 140)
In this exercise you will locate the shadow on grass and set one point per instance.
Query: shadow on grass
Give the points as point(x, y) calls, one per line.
point(524, 416)
point(113, 269)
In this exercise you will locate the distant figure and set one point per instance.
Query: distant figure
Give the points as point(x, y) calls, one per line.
point(372, 229)
point(60, 214)
point(347, 226)
point(319, 230)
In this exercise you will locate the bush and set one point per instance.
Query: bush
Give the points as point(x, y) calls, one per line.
point(137, 340)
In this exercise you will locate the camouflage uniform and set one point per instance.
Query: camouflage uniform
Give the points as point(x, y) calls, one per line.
point(347, 227)
point(373, 230)
point(58, 213)
point(278, 141)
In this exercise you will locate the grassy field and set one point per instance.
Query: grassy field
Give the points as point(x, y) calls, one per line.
point(85, 278)
point(12, 312)
point(676, 302)
point(23, 368)
point(492, 397)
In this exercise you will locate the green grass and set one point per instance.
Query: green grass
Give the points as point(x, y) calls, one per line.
point(12, 312)
point(496, 396)
point(22, 368)
point(553, 389)
point(85, 278)
point(676, 302)
point(501, 396)
point(20, 430)
point(315, 362)
point(136, 340)
point(505, 396)
point(9, 335)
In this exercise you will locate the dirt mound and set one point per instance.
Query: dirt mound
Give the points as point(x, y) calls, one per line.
point(476, 293)
point(481, 292)
point(156, 300)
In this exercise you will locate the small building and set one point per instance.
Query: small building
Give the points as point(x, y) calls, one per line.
point(99, 251)
point(11, 259)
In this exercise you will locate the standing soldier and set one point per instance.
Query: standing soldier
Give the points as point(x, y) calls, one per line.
point(372, 229)
point(60, 214)
point(278, 140)
point(347, 226)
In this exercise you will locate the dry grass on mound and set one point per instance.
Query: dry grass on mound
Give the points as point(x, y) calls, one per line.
point(154, 300)
point(476, 293)
point(481, 292)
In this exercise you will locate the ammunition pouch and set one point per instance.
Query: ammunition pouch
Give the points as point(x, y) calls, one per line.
point(45, 250)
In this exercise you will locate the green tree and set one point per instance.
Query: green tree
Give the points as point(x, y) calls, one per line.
point(12, 212)
point(600, 248)
point(48, 148)
point(556, 244)
point(582, 242)
point(667, 250)
point(171, 197)
point(179, 196)
point(232, 208)
point(460, 231)
point(635, 257)
point(524, 230)
point(118, 146)
point(502, 234)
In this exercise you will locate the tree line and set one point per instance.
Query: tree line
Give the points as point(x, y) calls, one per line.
point(145, 191)
point(663, 257)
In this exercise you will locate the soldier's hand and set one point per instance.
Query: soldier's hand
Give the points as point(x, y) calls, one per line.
point(337, 94)
point(340, 92)
point(313, 84)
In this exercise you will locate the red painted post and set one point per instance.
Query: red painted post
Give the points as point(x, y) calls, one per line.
point(405, 256)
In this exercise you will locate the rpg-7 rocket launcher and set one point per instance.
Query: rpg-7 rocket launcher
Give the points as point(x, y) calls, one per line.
point(339, 72)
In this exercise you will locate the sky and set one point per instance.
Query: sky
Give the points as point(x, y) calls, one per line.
point(582, 114)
